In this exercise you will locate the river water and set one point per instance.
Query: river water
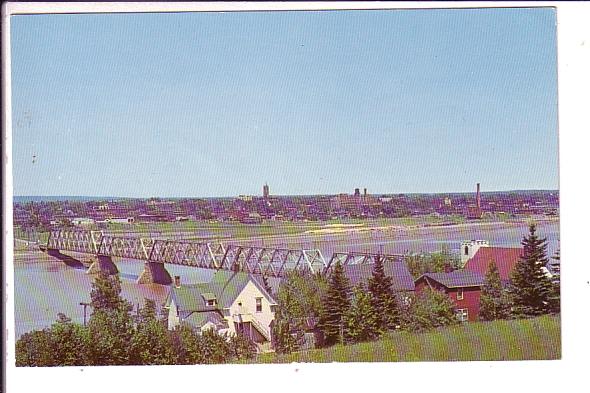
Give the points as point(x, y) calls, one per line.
point(45, 287)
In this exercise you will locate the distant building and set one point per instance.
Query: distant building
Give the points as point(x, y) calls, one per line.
point(265, 191)
point(120, 220)
point(82, 221)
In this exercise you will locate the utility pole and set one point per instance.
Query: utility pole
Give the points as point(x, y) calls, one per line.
point(85, 305)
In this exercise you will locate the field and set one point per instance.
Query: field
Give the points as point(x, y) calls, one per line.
point(531, 339)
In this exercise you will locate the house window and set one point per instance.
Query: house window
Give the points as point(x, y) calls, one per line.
point(211, 302)
point(462, 314)
point(258, 304)
point(460, 294)
point(466, 250)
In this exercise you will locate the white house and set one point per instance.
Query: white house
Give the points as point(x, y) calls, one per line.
point(233, 302)
point(82, 221)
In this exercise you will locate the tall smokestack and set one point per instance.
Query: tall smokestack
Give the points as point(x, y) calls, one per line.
point(478, 198)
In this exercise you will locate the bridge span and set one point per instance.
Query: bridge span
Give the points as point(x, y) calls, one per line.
point(271, 262)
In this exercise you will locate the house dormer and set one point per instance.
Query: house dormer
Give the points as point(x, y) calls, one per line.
point(210, 299)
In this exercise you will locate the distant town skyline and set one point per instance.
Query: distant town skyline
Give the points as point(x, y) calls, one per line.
point(218, 104)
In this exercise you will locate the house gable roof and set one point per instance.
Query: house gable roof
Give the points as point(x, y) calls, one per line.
point(504, 257)
point(398, 271)
point(455, 279)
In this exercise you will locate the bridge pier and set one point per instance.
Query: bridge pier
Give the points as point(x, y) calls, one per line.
point(154, 273)
point(68, 260)
point(104, 264)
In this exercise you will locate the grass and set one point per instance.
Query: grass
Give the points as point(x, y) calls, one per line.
point(527, 339)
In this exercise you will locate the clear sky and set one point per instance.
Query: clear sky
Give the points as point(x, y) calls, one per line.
point(217, 104)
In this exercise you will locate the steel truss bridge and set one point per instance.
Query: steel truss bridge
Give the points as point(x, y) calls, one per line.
point(272, 262)
point(268, 261)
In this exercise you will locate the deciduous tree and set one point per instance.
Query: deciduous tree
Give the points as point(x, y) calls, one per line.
point(430, 309)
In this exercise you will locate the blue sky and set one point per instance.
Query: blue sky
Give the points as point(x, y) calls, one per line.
point(217, 104)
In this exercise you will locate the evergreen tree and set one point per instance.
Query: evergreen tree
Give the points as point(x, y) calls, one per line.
point(361, 323)
point(336, 304)
point(494, 301)
point(383, 298)
point(555, 298)
point(111, 326)
point(105, 294)
point(531, 288)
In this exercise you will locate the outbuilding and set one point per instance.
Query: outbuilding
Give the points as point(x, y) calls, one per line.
point(462, 286)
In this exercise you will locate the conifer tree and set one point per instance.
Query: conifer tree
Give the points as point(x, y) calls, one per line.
point(383, 298)
point(494, 301)
point(531, 288)
point(555, 298)
point(336, 304)
point(111, 326)
point(360, 321)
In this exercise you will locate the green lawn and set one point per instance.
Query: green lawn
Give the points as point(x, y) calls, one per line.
point(531, 339)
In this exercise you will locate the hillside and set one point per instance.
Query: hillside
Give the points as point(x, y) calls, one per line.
point(532, 339)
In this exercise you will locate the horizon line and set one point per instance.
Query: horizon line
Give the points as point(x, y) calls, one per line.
point(280, 195)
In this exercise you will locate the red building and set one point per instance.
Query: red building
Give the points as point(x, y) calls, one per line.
point(462, 286)
point(504, 257)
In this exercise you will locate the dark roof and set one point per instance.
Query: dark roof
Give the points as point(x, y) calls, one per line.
point(504, 257)
point(456, 279)
point(225, 287)
point(398, 271)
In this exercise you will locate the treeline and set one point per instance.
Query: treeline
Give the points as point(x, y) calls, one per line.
point(339, 313)
point(117, 336)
